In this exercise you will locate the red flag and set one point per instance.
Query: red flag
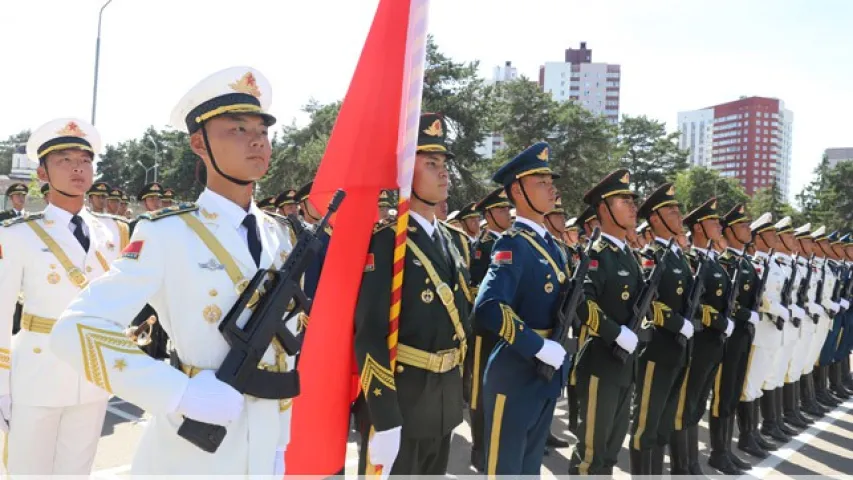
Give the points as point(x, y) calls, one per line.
point(361, 158)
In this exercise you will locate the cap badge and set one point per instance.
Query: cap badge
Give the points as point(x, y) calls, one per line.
point(434, 130)
point(626, 179)
point(671, 190)
point(543, 155)
point(246, 84)
point(71, 130)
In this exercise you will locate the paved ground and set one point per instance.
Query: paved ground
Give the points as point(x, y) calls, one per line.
point(826, 449)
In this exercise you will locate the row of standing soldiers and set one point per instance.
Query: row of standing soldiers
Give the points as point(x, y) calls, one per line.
point(751, 315)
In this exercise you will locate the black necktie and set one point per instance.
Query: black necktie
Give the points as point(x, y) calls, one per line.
point(79, 234)
point(438, 244)
point(251, 224)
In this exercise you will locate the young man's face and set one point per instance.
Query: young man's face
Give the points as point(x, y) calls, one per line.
point(500, 216)
point(113, 206)
point(166, 202)
point(665, 219)
point(70, 171)
point(441, 210)
point(430, 178)
point(557, 222)
point(152, 203)
point(572, 237)
point(384, 213)
point(240, 145)
point(741, 232)
point(472, 224)
point(98, 202)
point(624, 211)
point(18, 200)
point(539, 189)
point(289, 209)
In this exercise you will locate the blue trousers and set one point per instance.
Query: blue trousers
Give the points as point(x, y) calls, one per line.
point(831, 346)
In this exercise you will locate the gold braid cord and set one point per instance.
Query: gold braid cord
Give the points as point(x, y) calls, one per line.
point(373, 369)
point(508, 324)
point(93, 341)
point(707, 314)
point(5, 358)
point(592, 320)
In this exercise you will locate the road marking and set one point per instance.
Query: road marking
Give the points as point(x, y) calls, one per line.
point(121, 413)
point(783, 454)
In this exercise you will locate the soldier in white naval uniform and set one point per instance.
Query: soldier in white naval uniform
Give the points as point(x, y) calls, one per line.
point(189, 261)
point(49, 257)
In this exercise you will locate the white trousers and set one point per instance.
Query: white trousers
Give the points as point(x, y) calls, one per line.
point(782, 358)
point(816, 343)
point(765, 346)
point(802, 351)
point(54, 440)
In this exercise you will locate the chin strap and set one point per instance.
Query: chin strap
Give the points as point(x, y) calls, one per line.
point(495, 221)
point(524, 192)
point(665, 224)
point(613, 217)
point(305, 211)
point(53, 188)
point(421, 199)
point(215, 166)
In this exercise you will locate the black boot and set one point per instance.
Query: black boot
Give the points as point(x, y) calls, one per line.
point(798, 403)
point(846, 374)
point(478, 460)
point(768, 416)
point(746, 422)
point(730, 428)
point(822, 394)
point(678, 453)
point(777, 410)
point(718, 458)
point(574, 409)
point(641, 462)
point(808, 403)
point(762, 441)
point(836, 384)
point(555, 442)
point(789, 405)
point(657, 460)
point(693, 467)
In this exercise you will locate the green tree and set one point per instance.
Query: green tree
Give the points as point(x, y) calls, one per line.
point(817, 198)
point(771, 200)
point(523, 114)
point(454, 90)
point(696, 185)
point(649, 153)
point(7, 148)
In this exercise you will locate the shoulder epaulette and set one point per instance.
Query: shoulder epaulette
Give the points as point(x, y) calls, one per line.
point(110, 216)
point(281, 219)
point(178, 209)
point(513, 231)
point(599, 245)
point(27, 217)
point(384, 226)
point(453, 228)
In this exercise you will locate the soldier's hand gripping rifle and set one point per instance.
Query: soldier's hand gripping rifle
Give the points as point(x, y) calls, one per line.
point(759, 291)
point(644, 301)
point(803, 290)
point(818, 295)
point(734, 288)
point(694, 298)
point(275, 297)
point(570, 297)
point(788, 289)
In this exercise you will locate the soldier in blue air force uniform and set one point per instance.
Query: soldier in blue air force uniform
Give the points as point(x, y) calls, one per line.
point(517, 301)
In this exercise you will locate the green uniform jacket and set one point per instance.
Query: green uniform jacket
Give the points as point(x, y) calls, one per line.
point(482, 257)
point(426, 404)
point(748, 284)
point(714, 298)
point(611, 287)
point(462, 244)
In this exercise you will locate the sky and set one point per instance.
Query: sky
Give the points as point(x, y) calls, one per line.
point(675, 55)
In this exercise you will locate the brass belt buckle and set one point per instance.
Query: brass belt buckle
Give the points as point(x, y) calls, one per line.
point(77, 277)
point(448, 360)
point(445, 293)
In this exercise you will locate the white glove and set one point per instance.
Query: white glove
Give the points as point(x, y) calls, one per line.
point(798, 312)
point(551, 353)
point(845, 304)
point(754, 317)
point(278, 466)
point(5, 412)
point(813, 309)
point(209, 400)
point(687, 330)
point(730, 328)
point(833, 308)
point(383, 449)
point(777, 310)
point(627, 340)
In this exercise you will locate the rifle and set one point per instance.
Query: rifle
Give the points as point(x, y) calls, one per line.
point(756, 301)
point(803, 290)
point(269, 295)
point(570, 297)
point(818, 295)
point(644, 301)
point(788, 288)
point(694, 298)
point(734, 289)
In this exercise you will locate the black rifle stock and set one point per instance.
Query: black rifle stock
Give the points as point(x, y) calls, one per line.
point(788, 289)
point(644, 301)
point(275, 297)
point(803, 290)
point(694, 299)
point(570, 297)
point(759, 291)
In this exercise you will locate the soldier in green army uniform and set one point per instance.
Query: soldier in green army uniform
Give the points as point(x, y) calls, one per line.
point(469, 221)
point(462, 240)
point(286, 203)
point(588, 220)
point(495, 210)
point(603, 382)
point(572, 235)
point(413, 407)
point(730, 375)
point(168, 198)
point(708, 342)
point(267, 204)
point(555, 222)
point(384, 208)
point(662, 361)
point(98, 197)
point(17, 194)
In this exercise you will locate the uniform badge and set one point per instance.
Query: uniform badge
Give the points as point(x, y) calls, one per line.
point(369, 264)
point(745, 287)
point(549, 287)
point(53, 278)
point(427, 296)
point(477, 254)
point(593, 265)
point(211, 265)
point(626, 295)
point(623, 273)
point(133, 250)
point(208, 215)
point(211, 313)
point(719, 292)
point(503, 258)
point(417, 262)
point(676, 271)
point(718, 275)
point(648, 263)
point(679, 290)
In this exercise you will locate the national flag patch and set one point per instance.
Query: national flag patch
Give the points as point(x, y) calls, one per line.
point(648, 263)
point(478, 254)
point(133, 250)
point(369, 264)
point(503, 258)
point(593, 265)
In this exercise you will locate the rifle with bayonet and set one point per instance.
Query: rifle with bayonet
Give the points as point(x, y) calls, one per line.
point(694, 298)
point(788, 288)
point(803, 291)
point(570, 297)
point(644, 301)
point(274, 297)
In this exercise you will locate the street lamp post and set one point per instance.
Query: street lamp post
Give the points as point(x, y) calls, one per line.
point(97, 61)
point(156, 157)
point(147, 169)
